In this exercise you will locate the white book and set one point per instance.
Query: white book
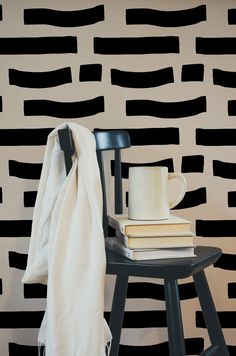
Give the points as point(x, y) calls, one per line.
point(166, 241)
point(148, 254)
point(172, 226)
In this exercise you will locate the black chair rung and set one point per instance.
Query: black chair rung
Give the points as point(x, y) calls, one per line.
point(67, 145)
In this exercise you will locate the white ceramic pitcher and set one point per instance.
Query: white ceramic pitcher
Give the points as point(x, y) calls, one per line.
point(148, 192)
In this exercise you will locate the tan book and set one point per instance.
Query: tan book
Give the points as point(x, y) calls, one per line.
point(115, 245)
point(172, 226)
point(133, 242)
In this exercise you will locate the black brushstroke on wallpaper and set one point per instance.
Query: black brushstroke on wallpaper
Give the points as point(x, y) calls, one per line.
point(143, 319)
point(42, 16)
point(194, 346)
point(192, 72)
point(193, 198)
point(156, 291)
point(227, 262)
point(1, 289)
point(19, 350)
point(154, 319)
point(20, 319)
point(142, 79)
point(232, 16)
point(17, 260)
point(48, 79)
point(136, 45)
point(15, 228)
point(186, 17)
point(64, 110)
point(232, 107)
point(231, 349)
point(148, 350)
point(29, 199)
point(90, 73)
point(0, 12)
point(216, 228)
point(225, 170)
point(152, 136)
point(232, 290)
point(166, 110)
point(232, 199)
point(216, 137)
point(126, 165)
point(216, 45)
point(25, 170)
point(38, 45)
point(192, 164)
point(36, 290)
point(24, 137)
point(227, 319)
point(224, 78)
point(0, 103)
point(0, 195)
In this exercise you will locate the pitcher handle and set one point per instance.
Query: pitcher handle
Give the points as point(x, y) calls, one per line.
point(182, 190)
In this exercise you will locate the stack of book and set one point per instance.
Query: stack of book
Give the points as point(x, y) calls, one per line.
point(148, 240)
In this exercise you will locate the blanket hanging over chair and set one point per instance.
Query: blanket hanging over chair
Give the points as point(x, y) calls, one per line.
point(67, 250)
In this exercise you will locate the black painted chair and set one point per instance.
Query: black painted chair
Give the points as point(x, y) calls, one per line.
point(170, 270)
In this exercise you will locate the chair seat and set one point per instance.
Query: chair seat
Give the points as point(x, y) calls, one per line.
point(166, 268)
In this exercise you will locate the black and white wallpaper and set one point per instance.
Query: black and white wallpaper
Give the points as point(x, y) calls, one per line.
point(165, 71)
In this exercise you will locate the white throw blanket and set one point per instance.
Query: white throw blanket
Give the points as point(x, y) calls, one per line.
point(67, 250)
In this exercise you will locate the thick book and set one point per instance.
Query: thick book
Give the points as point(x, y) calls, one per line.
point(115, 245)
point(181, 240)
point(170, 227)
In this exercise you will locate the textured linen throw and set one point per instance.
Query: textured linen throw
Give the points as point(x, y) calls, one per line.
point(67, 250)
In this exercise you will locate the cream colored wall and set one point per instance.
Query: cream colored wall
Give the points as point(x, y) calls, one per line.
point(114, 116)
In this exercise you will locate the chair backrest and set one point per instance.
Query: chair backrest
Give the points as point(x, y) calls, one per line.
point(67, 146)
point(114, 140)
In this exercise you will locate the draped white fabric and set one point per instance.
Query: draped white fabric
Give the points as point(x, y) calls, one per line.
point(67, 251)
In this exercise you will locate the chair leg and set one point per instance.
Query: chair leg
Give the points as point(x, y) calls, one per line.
point(210, 314)
point(174, 319)
point(117, 312)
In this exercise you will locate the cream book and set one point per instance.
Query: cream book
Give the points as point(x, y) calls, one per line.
point(115, 245)
point(133, 242)
point(172, 226)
